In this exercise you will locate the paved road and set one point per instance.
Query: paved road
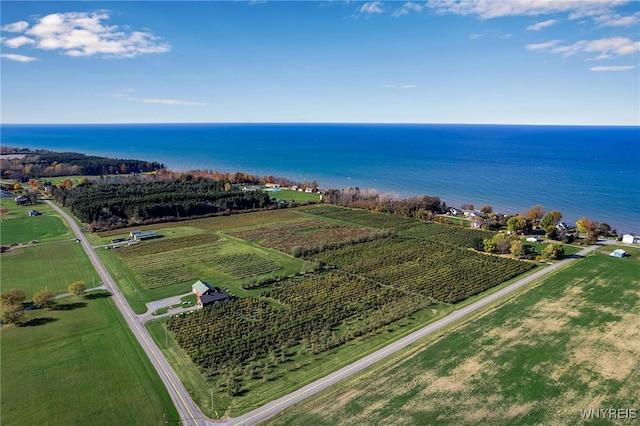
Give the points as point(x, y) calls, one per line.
point(274, 407)
point(191, 414)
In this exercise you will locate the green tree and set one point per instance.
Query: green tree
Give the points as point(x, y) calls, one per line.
point(13, 296)
point(43, 298)
point(550, 218)
point(551, 232)
point(486, 209)
point(11, 314)
point(77, 288)
point(553, 251)
point(489, 245)
point(517, 224)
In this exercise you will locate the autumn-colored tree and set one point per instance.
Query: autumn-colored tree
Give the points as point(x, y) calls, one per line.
point(11, 314)
point(535, 213)
point(13, 296)
point(517, 248)
point(17, 186)
point(588, 227)
point(486, 209)
point(43, 298)
point(78, 288)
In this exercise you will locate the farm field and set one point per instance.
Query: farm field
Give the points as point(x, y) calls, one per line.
point(52, 265)
point(358, 284)
point(80, 355)
point(570, 343)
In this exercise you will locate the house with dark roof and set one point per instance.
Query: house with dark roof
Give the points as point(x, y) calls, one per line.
point(206, 294)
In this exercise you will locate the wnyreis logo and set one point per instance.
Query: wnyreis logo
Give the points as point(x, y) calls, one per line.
point(609, 413)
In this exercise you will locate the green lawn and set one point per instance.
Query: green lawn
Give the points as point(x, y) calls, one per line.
point(79, 364)
point(298, 196)
point(17, 227)
point(571, 343)
point(52, 265)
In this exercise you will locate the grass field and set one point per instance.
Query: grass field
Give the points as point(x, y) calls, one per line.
point(52, 265)
point(79, 364)
point(17, 227)
point(571, 343)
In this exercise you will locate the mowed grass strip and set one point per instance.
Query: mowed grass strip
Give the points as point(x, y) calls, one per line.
point(46, 265)
point(569, 344)
point(79, 364)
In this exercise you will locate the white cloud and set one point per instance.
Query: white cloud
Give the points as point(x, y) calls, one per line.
point(17, 58)
point(166, 101)
point(613, 68)
point(540, 25)
point(83, 34)
point(615, 20)
point(542, 46)
point(487, 9)
point(16, 42)
point(372, 7)
point(407, 8)
point(409, 86)
point(605, 47)
point(490, 33)
point(16, 27)
point(404, 86)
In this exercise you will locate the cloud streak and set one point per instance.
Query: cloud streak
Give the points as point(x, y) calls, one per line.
point(613, 68)
point(18, 58)
point(488, 9)
point(166, 101)
point(540, 25)
point(83, 34)
point(605, 47)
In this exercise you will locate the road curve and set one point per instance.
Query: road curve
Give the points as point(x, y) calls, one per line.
point(189, 412)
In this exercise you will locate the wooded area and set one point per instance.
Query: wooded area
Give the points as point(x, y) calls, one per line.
point(108, 205)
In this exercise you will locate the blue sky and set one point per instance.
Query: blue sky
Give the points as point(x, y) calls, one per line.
point(443, 61)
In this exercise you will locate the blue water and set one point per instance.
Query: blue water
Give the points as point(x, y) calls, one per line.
point(581, 171)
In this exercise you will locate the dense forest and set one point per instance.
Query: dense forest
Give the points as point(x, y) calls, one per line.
point(106, 205)
point(24, 164)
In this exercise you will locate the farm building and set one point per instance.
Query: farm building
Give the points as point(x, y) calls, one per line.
point(207, 294)
point(630, 239)
point(618, 253)
point(143, 235)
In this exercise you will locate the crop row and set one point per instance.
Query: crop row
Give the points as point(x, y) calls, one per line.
point(168, 244)
point(313, 310)
point(463, 237)
point(307, 234)
point(444, 273)
point(162, 269)
point(242, 265)
point(358, 217)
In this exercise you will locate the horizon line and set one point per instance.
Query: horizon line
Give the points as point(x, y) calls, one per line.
point(311, 122)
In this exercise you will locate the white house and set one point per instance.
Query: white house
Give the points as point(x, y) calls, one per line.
point(630, 239)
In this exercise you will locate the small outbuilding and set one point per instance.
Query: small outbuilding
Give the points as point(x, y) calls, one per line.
point(206, 294)
point(143, 235)
point(619, 253)
point(32, 213)
point(630, 239)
